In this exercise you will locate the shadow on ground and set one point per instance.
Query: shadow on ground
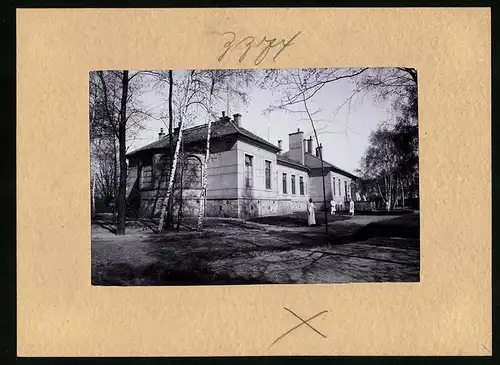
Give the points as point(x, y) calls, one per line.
point(184, 273)
point(298, 219)
point(387, 212)
point(228, 252)
point(407, 226)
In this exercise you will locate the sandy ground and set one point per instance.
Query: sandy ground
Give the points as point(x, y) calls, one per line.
point(230, 251)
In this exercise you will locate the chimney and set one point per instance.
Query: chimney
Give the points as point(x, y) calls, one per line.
point(305, 145)
point(310, 145)
point(161, 134)
point(237, 119)
point(296, 146)
point(224, 117)
point(280, 145)
point(319, 151)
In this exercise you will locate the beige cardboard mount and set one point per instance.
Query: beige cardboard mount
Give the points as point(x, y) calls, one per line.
point(60, 314)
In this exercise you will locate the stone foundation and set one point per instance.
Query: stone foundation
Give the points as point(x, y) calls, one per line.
point(248, 208)
point(227, 208)
point(150, 205)
point(267, 207)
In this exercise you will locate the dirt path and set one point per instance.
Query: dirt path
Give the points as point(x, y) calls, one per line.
point(362, 220)
point(237, 252)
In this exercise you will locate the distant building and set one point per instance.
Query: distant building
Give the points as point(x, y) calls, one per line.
point(247, 175)
point(338, 182)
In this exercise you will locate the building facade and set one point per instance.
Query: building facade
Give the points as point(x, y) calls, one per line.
point(247, 176)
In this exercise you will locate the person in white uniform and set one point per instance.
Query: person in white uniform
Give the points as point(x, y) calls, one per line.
point(311, 215)
point(351, 207)
point(333, 207)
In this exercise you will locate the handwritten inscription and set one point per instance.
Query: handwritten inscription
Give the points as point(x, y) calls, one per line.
point(246, 44)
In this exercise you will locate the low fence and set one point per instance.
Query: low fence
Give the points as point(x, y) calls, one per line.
point(370, 206)
point(364, 206)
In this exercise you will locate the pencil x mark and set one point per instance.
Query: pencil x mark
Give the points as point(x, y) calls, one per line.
point(306, 322)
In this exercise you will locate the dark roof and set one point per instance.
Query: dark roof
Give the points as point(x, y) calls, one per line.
point(288, 161)
point(199, 133)
point(314, 162)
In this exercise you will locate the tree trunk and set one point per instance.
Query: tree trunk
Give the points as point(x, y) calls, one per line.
point(176, 156)
point(389, 196)
point(93, 196)
point(402, 193)
point(396, 192)
point(115, 180)
point(322, 165)
point(323, 179)
point(170, 137)
point(204, 177)
point(179, 212)
point(380, 193)
point(122, 204)
point(170, 183)
point(391, 200)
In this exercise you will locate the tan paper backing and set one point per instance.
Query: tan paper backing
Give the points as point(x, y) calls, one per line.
point(61, 314)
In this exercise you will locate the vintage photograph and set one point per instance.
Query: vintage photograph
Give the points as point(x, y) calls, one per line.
point(254, 176)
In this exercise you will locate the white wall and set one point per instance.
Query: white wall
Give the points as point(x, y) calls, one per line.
point(278, 179)
point(316, 188)
point(339, 196)
point(222, 175)
point(260, 155)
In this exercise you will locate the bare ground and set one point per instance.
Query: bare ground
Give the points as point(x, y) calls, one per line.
point(231, 251)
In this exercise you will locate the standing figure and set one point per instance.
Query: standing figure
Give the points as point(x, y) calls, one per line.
point(351, 207)
point(332, 207)
point(311, 215)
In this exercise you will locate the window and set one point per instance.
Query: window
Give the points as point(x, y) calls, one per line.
point(334, 193)
point(284, 183)
point(146, 177)
point(248, 171)
point(191, 173)
point(160, 171)
point(340, 191)
point(293, 184)
point(146, 174)
point(268, 174)
point(301, 184)
point(345, 188)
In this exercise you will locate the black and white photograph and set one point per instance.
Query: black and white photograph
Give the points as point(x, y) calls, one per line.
point(254, 176)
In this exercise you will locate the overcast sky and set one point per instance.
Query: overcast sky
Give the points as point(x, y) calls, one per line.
point(344, 136)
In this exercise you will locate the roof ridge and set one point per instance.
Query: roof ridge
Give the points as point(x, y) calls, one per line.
point(324, 161)
point(219, 128)
point(284, 159)
point(331, 164)
point(291, 159)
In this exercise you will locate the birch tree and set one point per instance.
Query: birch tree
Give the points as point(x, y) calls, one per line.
point(200, 94)
point(219, 82)
point(182, 116)
point(381, 164)
point(201, 213)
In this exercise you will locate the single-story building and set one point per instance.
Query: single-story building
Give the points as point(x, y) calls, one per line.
point(247, 175)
